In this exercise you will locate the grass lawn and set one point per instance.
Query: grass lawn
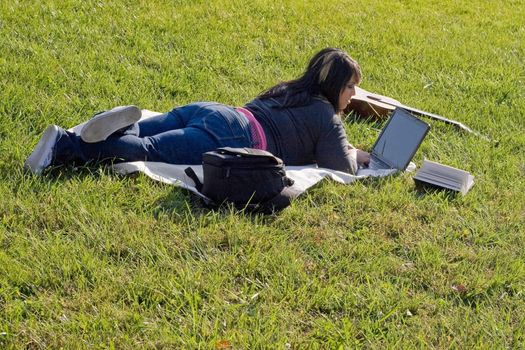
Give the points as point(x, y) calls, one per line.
point(90, 259)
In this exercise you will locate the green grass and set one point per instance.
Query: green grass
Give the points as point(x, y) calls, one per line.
point(89, 259)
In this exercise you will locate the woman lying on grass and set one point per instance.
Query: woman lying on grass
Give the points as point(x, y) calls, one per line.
point(298, 121)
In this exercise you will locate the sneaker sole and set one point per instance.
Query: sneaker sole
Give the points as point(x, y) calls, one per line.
point(101, 126)
point(42, 155)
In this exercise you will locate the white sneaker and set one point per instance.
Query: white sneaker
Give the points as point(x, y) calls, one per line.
point(106, 123)
point(42, 155)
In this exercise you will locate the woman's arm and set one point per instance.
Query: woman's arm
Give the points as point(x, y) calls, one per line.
point(332, 151)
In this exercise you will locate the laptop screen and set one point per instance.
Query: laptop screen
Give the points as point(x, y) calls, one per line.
point(400, 138)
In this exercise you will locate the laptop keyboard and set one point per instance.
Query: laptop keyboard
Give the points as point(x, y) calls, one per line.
point(377, 164)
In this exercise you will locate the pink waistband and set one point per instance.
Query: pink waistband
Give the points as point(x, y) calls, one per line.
point(256, 130)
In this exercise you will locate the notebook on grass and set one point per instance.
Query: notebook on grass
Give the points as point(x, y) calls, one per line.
point(398, 141)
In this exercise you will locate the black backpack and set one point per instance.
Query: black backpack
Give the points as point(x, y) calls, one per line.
point(250, 179)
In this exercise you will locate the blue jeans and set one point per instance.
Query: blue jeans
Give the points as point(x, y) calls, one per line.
point(177, 137)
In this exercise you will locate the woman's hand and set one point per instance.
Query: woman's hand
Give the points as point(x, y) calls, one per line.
point(363, 158)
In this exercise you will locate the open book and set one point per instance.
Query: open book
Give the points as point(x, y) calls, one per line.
point(444, 176)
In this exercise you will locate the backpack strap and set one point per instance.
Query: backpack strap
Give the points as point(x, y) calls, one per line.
point(191, 174)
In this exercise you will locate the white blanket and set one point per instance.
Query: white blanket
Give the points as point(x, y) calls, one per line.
point(304, 176)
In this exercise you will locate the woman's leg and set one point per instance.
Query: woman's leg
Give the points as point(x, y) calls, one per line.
point(181, 146)
point(124, 120)
point(207, 127)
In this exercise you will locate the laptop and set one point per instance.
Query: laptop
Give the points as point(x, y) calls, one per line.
point(398, 141)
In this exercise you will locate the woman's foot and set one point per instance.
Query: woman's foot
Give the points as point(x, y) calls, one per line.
point(42, 155)
point(106, 123)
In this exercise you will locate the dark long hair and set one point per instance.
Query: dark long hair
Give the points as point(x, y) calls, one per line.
point(326, 76)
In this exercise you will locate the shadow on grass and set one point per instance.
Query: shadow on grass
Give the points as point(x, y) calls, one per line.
point(66, 173)
point(183, 202)
point(179, 201)
point(55, 175)
point(79, 170)
point(421, 191)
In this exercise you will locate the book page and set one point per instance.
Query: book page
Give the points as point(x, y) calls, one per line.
point(445, 176)
point(458, 175)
